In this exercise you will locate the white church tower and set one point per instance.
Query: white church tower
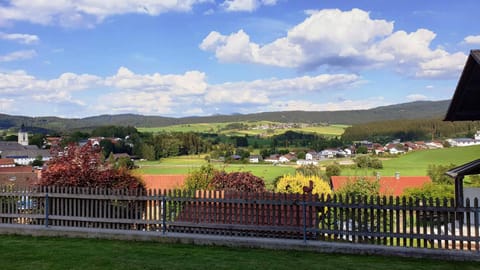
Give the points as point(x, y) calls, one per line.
point(23, 136)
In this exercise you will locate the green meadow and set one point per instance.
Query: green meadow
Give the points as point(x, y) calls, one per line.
point(416, 163)
point(221, 128)
point(184, 165)
point(410, 164)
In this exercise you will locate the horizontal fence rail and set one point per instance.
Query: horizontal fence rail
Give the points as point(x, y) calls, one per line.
point(404, 222)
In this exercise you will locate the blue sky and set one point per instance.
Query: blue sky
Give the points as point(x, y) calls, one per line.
point(201, 57)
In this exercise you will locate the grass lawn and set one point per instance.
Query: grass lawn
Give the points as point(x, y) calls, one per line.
point(23, 252)
point(416, 163)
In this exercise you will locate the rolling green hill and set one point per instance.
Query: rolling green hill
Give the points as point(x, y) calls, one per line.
point(251, 129)
point(412, 110)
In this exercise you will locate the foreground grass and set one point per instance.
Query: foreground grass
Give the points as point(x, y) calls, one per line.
point(22, 252)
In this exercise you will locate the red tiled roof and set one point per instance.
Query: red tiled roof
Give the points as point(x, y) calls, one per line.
point(162, 181)
point(389, 185)
point(17, 169)
point(20, 176)
point(7, 161)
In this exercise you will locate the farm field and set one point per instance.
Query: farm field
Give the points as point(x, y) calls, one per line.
point(184, 165)
point(24, 252)
point(220, 128)
point(416, 163)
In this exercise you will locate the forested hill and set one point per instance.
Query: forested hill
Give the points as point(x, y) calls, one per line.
point(412, 110)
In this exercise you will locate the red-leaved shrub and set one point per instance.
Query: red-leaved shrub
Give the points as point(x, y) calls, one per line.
point(83, 167)
point(238, 181)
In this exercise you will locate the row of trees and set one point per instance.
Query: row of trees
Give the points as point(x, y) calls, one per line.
point(410, 130)
point(166, 144)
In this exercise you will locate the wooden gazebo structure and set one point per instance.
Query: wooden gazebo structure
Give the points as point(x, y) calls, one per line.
point(465, 106)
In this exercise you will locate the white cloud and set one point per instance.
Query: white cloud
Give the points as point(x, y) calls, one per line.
point(347, 39)
point(20, 82)
point(22, 38)
point(444, 65)
point(20, 85)
point(301, 105)
point(6, 105)
point(18, 55)
point(190, 83)
point(246, 5)
point(472, 40)
point(154, 94)
point(135, 102)
point(246, 96)
point(269, 2)
point(416, 97)
point(86, 12)
point(263, 91)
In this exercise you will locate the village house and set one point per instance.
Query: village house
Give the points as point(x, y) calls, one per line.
point(379, 150)
point(395, 148)
point(303, 162)
point(254, 158)
point(52, 142)
point(311, 155)
point(462, 142)
point(23, 154)
point(19, 176)
point(434, 145)
point(7, 162)
point(272, 158)
point(328, 153)
point(286, 158)
point(410, 146)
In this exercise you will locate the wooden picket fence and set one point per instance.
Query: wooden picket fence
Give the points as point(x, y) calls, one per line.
point(389, 221)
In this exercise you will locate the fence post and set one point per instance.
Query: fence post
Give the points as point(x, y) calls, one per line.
point(164, 214)
point(304, 220)
point(46, 209)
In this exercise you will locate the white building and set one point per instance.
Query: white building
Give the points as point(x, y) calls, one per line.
point(460, 142)
point(303, 162)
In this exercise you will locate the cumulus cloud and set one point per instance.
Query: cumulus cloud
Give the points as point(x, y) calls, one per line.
point(472, 40)
point(444, 65)
point(191, 82)
point(86, 12)
point(135, 102)
point(125, 91)
point(18, 55)
point(263, 91)
point(20, 82)
point(20, 85)
point(21, 38)
point(164, 94)
point(345, 39)
point(416, 97)
point(246, 5)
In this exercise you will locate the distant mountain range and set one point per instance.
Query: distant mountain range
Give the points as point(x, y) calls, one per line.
point(411, 110)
